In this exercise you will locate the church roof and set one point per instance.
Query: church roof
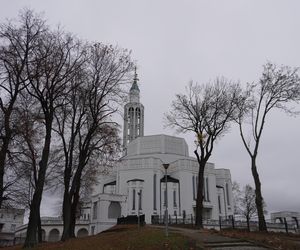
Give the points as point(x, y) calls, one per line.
point(110, 183)
point(158, 144)
point(134, 84)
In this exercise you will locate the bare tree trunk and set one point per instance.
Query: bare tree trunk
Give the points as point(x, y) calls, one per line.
point(31, 234)
point(67, 202)
point(258, 196)
point(40, 236)
point(31, 240)
point(248, 223)
point(73, 212)
point(199, 200)
point(3, 153)
point(70, 204)
point(66, 216)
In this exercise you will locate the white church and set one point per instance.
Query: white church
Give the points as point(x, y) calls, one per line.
point(136, 185)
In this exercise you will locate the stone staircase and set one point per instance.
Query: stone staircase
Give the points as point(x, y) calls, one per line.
point(234, 245)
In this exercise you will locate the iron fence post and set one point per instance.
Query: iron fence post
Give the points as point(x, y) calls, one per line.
point(232, 220)
point(286, 226)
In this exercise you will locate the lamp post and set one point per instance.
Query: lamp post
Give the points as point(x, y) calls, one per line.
point(138, 214)
point(166, 183)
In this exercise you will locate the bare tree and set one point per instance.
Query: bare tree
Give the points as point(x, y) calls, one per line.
point(236, 192)
point(17, 42)
point(247, 206)
point(55, 62)
point(25, 154)
point(84, 124)
point(277, 87)
point(206, 110)
point(245, 203)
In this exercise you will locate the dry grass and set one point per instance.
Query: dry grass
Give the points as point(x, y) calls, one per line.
point(120, 237)
point(270, 239)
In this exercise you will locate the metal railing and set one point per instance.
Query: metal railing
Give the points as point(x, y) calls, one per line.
point(287, 226)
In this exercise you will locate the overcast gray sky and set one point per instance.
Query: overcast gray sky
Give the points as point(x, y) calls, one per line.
point(175, 41)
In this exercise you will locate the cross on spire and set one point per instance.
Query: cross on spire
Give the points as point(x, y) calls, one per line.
point(135, 79)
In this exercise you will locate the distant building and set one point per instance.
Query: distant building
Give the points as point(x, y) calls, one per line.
point(286, 216)
point(137, 182)
point(10, 219)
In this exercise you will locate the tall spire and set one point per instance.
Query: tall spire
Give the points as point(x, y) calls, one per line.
point(134, 93)
point(133, 114)
point(135, 80)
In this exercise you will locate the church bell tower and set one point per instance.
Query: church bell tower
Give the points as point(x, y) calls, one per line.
point(133, 115)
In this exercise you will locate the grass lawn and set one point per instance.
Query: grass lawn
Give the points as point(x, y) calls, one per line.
point(120, 237)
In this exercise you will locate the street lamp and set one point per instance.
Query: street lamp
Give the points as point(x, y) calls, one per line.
point(139, 200)
point(166, 212)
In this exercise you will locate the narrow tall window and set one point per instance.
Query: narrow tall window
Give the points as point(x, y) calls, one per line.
point(207, 189)
point(131, 122)
point(138, 115)
point(219, 202)
point(95, 210)
point(140, 200)
point(227, 194)
point(174, 199)
point(154, 191)
point(193, 187)
point(133, 199)
point(196, 188)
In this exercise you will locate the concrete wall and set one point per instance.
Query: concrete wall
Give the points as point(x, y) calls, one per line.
point(52, 230)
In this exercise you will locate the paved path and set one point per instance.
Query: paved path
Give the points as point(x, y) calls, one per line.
point(207, 240)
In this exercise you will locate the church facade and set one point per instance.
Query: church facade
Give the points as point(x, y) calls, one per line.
point(136, 185)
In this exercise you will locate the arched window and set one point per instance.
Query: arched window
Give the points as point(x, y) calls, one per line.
point(138, 121)
point(130, 115)
point(130, 121)
point(82, 232)
point(54, 235)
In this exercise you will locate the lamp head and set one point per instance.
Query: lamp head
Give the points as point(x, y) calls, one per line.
point(166, 166)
